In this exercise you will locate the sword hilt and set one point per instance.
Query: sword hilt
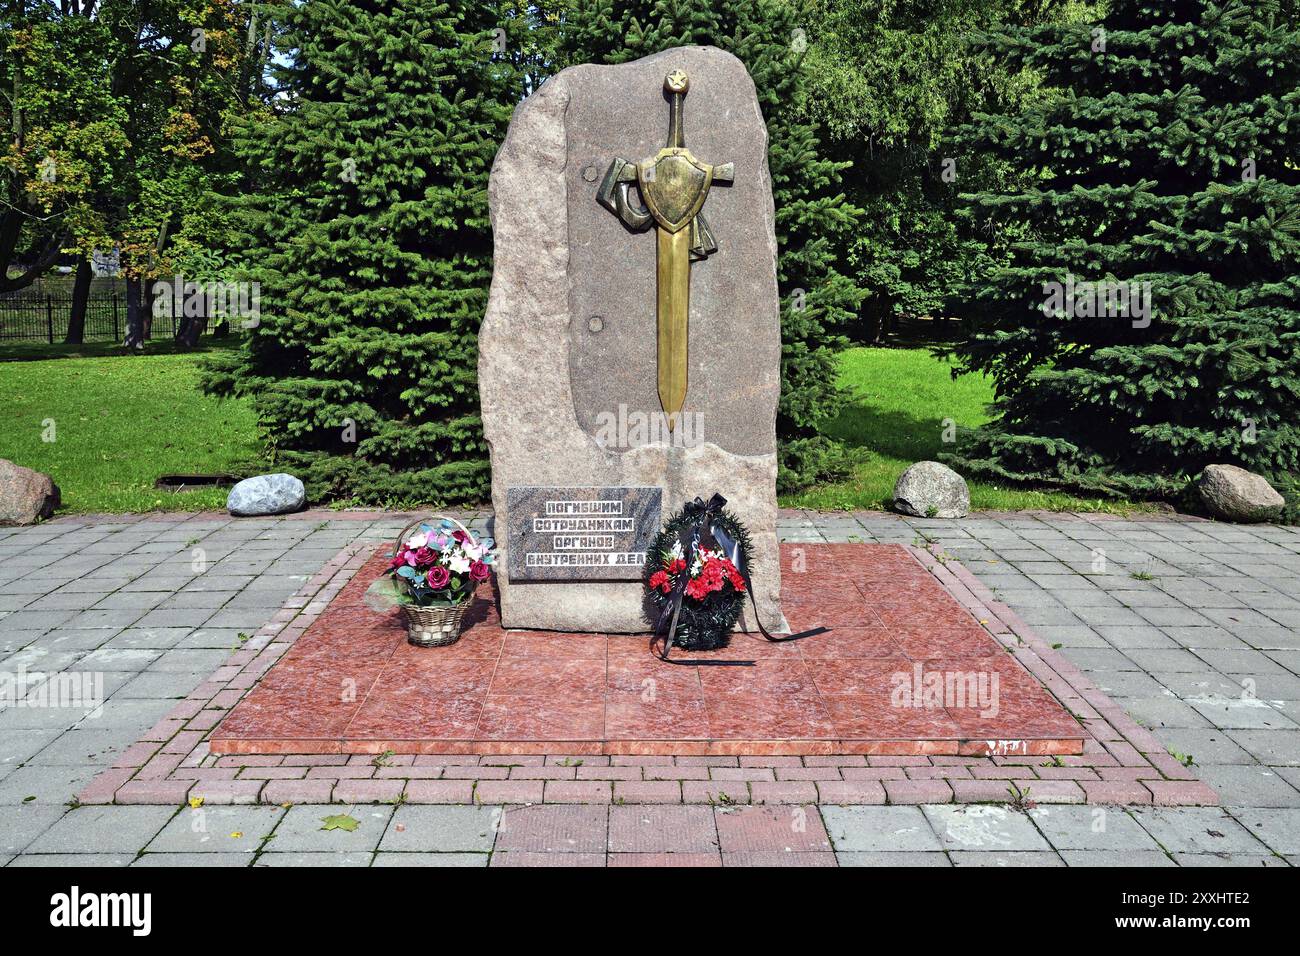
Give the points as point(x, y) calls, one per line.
point(677, 83)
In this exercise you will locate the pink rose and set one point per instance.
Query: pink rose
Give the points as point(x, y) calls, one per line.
point(438, 577)
point(478, 571)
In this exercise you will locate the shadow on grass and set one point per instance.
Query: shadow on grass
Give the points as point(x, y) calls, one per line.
point(41, 351)
point(891, 432)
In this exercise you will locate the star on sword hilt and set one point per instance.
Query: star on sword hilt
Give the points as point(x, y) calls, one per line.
point(673, 186)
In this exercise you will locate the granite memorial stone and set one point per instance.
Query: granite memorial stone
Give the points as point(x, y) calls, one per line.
point(613, 363)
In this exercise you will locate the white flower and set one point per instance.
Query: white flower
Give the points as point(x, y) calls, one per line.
point(417, 540)
point(458, 563)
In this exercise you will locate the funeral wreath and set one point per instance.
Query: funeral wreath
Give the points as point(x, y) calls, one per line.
point(695, 569)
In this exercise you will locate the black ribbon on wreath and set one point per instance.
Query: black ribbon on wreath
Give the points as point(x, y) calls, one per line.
point(704, 530)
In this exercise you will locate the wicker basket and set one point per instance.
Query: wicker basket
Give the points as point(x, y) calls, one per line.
point(433, 626)
point(436, 625)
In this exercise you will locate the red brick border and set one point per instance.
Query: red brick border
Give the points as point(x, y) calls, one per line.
point(1121, 762)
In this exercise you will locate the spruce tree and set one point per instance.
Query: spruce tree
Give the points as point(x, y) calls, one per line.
point(365, 223)
point(1163, 164)
point(814, 222)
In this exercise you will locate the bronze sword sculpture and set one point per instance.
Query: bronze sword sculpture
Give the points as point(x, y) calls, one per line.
point(673, 186)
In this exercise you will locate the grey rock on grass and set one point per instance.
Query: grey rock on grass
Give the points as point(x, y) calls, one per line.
point(266, 495)
point(1235, 494)
point(26, 496)
point(928, 489)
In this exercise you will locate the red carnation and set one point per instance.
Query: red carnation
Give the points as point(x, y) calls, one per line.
point(659, 580)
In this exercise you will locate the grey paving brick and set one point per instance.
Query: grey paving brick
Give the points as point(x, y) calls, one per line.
point(23, 823)
point(300, 829)
point(1167, 711)
point(1249, 786)
point(17, 746)
point(1195, 638)
point(1228, 859)
point(1174, 617)
point(890, 858)
point(205, 860)
point(72, 859)
point(879, 828)
point(117, 618)
point(162, 686)
point(136, 714)
point(314, 859)
point(1195, 830)
point(85, 745)
point(117, 659)
point(1006, 858)
point(1116, 858)
point(103, 829)
point(442, 829)
point(176, 617)
point(138, 601)
point(217, 829)
point(189, 661)
point(1278, 829)
point(1126, 683)
point(984, 827)
point(1125, 636)
point(1101, 659)
point(148, 638)
point(1204, 746)
point(1091, 828)
point(1277, 748)
point(1241, 662)
point(1162, 661)
point(1107, 615)
point(1241, 712)
point(40, 718)
point(430, 859)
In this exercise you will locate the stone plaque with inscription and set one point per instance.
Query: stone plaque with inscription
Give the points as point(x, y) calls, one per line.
point(597, 322)
point(580, 534)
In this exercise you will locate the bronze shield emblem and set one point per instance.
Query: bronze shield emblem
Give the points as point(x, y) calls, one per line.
point(675, 191)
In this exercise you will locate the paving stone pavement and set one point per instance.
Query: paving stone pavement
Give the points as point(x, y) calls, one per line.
point(1193, 627)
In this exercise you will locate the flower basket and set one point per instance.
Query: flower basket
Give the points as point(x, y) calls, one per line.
point(434, 626)
point(437, 563)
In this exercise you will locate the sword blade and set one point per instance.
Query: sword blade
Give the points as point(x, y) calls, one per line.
point(674, 301)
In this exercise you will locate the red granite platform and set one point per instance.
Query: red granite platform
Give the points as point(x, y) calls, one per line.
point(352, 684)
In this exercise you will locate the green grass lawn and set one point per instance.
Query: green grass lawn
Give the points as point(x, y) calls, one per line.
point(121, 421)
point(900, 398)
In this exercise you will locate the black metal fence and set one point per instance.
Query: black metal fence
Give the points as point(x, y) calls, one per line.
point(40, 313)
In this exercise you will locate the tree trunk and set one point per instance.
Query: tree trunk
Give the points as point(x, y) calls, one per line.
point(190, 327)
point(137, 329)
point(80, 300)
